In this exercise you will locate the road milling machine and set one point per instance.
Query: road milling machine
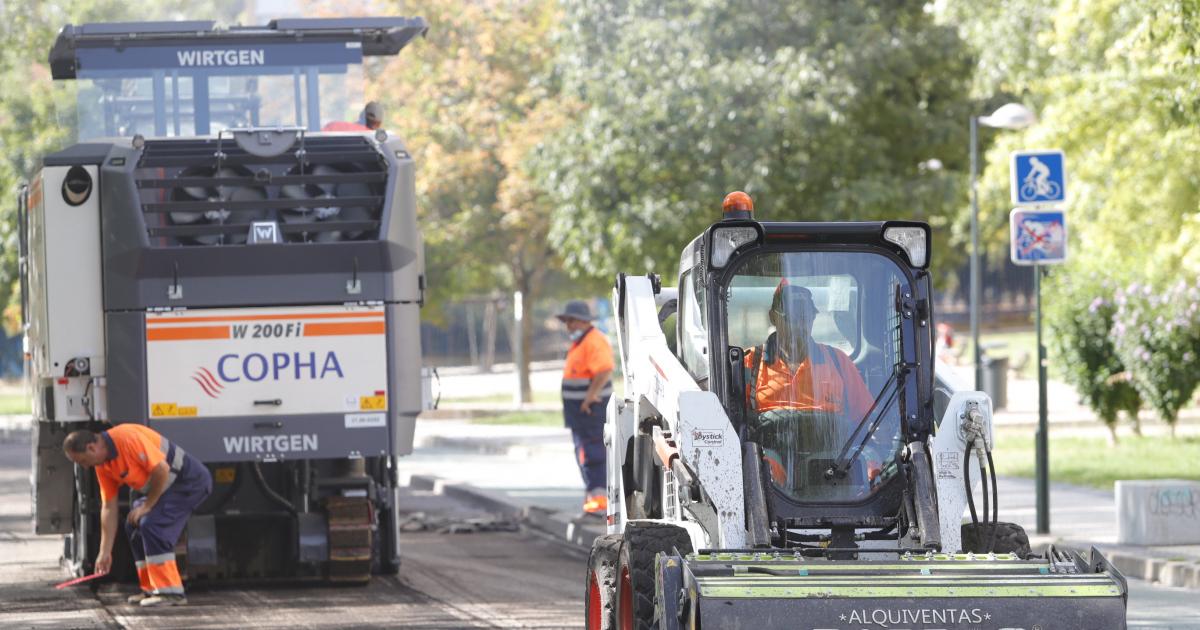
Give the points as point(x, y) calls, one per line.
point(211, 260)
point(794, 461)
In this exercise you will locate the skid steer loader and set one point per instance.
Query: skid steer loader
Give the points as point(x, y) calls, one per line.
point(796, 462)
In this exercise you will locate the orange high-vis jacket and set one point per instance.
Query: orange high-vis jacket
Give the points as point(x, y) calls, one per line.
point(827, 384)
point(139, 450)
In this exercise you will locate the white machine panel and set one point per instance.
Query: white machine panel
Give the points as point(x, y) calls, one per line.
point(66, 317)
point(266, 361)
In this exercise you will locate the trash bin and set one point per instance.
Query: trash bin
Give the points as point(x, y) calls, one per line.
point(995, 380)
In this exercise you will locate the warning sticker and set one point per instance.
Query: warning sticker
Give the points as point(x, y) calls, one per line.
point(163, 410)
point(370, 403)
point(948, 466)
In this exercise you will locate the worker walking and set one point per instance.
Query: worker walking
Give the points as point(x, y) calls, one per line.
point(168, 485)
point(586, 388)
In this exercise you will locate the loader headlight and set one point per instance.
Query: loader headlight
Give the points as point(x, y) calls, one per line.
point(77, 186)
point(726, 240)
point(913, 240)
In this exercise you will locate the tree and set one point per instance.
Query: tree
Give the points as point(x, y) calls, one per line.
point(473, 102)
point(37, 117)
point(821, 111)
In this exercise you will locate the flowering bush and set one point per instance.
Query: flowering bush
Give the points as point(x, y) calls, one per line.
point(1080, 319)
point(1157, 335)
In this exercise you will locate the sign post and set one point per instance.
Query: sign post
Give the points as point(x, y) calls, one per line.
point(1039, 238)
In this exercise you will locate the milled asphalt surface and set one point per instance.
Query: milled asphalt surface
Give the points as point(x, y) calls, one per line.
point(481, 579)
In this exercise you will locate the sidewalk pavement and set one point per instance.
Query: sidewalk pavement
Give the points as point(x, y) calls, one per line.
point(529, 472)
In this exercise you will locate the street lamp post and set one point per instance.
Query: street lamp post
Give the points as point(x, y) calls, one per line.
point(1010, 116)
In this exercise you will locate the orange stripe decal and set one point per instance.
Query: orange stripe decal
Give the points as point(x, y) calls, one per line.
point(190, 332)
point(251, 318)
point(353, 328)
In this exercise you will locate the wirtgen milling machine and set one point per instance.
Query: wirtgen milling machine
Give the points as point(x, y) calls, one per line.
point(208, 262)
point(796, 463)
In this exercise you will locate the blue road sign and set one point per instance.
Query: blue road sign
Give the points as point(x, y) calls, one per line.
point(1038, 237)
point(1038, 177)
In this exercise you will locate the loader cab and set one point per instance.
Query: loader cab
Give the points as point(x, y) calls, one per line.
point(815, 336)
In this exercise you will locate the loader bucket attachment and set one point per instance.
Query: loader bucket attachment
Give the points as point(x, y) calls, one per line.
point(761, 591)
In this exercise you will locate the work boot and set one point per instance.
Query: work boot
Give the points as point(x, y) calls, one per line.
point(134, 600)
point(596, 505)
point(165, 599)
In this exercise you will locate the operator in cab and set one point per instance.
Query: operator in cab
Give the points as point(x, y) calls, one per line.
point(168, 485)
point(792, 372)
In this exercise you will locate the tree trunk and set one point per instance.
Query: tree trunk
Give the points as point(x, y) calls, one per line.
point(1137, 424)
point(489, 335)
point(1112, 434)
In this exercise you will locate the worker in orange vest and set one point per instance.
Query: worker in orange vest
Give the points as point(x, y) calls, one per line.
point(792, 371)
point(586, 388)
point(370, 120)
point(168, 485)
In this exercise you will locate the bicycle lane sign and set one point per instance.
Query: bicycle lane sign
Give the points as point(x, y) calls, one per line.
point(1038, 177)
point(1038, 237)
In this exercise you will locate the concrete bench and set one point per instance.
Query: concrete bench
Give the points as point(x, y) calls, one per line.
point(1159, 512)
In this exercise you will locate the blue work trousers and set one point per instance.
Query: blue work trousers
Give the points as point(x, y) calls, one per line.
point(160, 528)
point(587, 430)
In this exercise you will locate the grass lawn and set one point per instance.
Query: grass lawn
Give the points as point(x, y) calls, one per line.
point(529, 418)
point(13, 403)
point(1090, 461)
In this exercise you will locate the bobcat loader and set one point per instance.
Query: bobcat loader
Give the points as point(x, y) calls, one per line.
point(749, 491)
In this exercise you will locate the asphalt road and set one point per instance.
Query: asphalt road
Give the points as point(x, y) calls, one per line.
point(480, 579)
point(484, 579)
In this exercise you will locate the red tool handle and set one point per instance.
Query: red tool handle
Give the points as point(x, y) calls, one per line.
point(86, 578)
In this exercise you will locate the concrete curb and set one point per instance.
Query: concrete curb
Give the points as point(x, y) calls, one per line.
point(1179, 573)
point(573, 531)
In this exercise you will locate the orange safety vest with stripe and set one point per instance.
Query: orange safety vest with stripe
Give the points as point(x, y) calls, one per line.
point(587, 357)
point(135, 450)
point(825, 381)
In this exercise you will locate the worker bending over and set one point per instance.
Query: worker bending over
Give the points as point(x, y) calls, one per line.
point(167, 483)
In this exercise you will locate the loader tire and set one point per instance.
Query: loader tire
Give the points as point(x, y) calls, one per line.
point(600, 591)
point(1010, 538)
point(636, 571)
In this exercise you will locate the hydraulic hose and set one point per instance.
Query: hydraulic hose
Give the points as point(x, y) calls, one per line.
point(995, 502)
point(967, 481)
point(983, 485)
point(271, 494)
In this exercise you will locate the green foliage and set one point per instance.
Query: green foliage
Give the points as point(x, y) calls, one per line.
point(1080, 337)
point(472, 101)
point(821, 111)
point(1157, 334)
point(36, 115)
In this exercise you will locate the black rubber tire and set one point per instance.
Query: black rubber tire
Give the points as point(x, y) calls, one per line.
point(599, 608)
point(641, 545)
point(1010, 538)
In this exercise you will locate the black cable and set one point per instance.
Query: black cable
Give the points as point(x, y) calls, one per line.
point(983, 485)
point(967, 481)
point(995, 502)
point(271, 494)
